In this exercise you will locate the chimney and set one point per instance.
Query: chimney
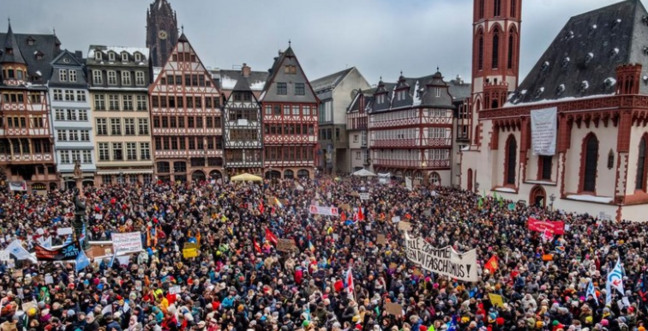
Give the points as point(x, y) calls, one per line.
point(245, 70)
point(78, 55)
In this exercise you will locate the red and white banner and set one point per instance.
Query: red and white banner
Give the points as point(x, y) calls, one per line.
point(324, 210)
point(557, 227)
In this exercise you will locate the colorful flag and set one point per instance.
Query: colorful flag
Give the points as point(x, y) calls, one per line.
point(614, 280)
point(271, 237)
point(349, 283)
point(591, 291)
point(16, 248)
point(112, 260)
point(492, 264)
point(261, 206)
point(81, 261)
point(480, 203)
point(311, 247)
point(360, 215)
point(278, 203)
point(256, 246)
point(547, 235)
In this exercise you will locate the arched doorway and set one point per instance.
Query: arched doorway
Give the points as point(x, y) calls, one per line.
point(538, 196)
point(303, 173)
point(198, 176)
point(470, 180)
point(435, 179)
point(215, 174)
point(273, 174)
point(289, 174)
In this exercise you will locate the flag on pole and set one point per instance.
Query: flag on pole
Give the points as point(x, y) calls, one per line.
point(81, 261)
point(256, 246)
point(278, 203)
point(359, 215)
point(16, 248)
point(311, 247)
point(492, 264)
point(591, 291)
point(271, 237)
point(68, 240)
point(83, 235)
point(261, 206)
point(349, 281)
point(614, 280)
point(112, 260)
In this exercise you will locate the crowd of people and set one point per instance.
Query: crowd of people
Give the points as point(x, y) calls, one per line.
point(241, 281)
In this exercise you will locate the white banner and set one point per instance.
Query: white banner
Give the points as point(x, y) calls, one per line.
point(18, 186)
point(384, 177)
point(323, 210)
point(64, 231)
point(408, 183)
point(364, 196)
point(443, 261)
point(544, 125)
point(130, 242)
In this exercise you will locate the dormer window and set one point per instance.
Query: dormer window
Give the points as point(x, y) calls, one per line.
point(437, 92)
point(614, 52)
point(589, 58)
point(138, 57)
point(545, 66)
point(124, 56)
point(97, 55)
point(565, 62)
point(380, 98)
point(560, 89)
point(31, 41)
point(111, 56)
point(38, 55)
point(538, 92)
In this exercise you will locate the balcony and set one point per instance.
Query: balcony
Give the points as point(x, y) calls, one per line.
point(412, 164)
point(26, 158)
point(438, 142)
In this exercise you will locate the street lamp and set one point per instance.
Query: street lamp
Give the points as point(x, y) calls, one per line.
point(552, 198)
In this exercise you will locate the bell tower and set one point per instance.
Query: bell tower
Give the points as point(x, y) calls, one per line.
point(161, 31)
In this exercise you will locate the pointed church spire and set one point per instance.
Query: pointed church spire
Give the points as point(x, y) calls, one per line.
point(11, 52)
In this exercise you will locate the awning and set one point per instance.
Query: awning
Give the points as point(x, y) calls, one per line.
point(125, 172)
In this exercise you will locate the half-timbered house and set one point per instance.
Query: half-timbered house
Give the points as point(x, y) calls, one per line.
point(358, 130)
point(289, 120)
point(186, 116)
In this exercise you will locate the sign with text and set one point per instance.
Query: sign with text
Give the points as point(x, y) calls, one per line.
point(404, 226)
point(130, 242)
point(286, 245)
point(443, 261)
point(364, 196)
point(557, 228)
point(64, 231)
point(544, 126)
point(323, 210)
point(394, 309)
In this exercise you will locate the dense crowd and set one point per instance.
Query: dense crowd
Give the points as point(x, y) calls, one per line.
point(240, 281)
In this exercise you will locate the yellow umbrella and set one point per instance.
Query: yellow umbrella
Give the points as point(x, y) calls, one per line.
point(246, 178)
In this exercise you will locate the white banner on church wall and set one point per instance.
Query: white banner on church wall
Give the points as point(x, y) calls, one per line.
point(544, 126)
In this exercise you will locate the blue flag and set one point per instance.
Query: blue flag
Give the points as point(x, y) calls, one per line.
point(112, 260)
point(591, 291)
point(81, 261)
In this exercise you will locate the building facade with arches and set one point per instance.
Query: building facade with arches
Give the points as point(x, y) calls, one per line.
point(594, 74)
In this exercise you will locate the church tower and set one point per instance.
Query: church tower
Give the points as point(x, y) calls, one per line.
point(161, 31)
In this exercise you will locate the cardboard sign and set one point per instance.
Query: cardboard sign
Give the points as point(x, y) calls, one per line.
point(286, 245)
point(64, 231)
point(381, 240)
point(189, 253)
point(175, 289)
point(49, 279)
point(27, 305)
point(395, 219)
point(496, 300)
point(394, 309)
point(346, 207)
point(404, 226)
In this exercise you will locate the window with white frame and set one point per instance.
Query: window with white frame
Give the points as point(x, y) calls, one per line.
point(98, 55)
point(111, 56)
point(97, 77)
point(117, 151)
point(113, 102)
point(128, 102)
point(268, 110)
point(129, 126)
point(64, 156)
point(139, 78)
point(112, 77)
point(61, 135)
point(126, 77)
point(73, 135)
point(69, 95)
point(124, 57)
point(145, 151)
point(437, 133)
point(358, 155)
point(63, 75)
point(58, 95)
point(80, 95)
point(131, 151)
point(115, 126)
point(87, 156)
point(104, 152)
point(85, 135)
point(138, 57)
point(141, 103)
point(59, 114)
point(71, 115)
point(73, 75)
point(100, 102)
point(76, 155)
point(295, 110)
point(102, 126)
point(143, 124)
point(83, 115)
point(306, 110)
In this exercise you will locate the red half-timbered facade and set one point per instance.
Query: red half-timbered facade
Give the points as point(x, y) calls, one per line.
point(411, 129)
point(357, 126)
point(592, 78)
point(289, 109)
point(186, 116)
point(26, 144)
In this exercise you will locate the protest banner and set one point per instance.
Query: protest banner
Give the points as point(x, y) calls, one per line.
point(190, 250)
point(394, 309)
point(443, 261)
point(286, 245)
point(404, 226)
point(63, 253)
point(175, 289)
point(64, 231)
point(130, 242)
point(395, 219)
point(4, 255)
point(381, 239)
point(49, 279)
point(323, 210)
point(554, 227)
point(364, 196)
point(496, 300)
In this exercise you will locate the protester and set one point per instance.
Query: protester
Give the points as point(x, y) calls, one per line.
point(337, 277)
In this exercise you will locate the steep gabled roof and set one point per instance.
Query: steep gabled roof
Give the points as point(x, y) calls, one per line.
point(287, 58)
point(354, 107)
point(229, 79)
point(330, 81)
point(37, 50)
point(11, 49)
point(67, 54)
point(582, 59)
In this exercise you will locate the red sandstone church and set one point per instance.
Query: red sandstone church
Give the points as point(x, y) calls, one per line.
point(591, 82)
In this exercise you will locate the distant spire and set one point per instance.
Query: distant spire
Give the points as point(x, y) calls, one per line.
point(289, 43)
point(54, 30)
point(182, 27)
point(437, 68)
point(401, 72)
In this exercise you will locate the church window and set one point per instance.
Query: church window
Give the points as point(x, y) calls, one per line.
point(495, 60)
point(511, 155)
point(641, 166)
point(610, 160)
point(481, 8)
point(590, 146)
point(497, 9)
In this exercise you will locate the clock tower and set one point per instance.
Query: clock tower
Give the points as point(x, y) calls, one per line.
point(161, 31)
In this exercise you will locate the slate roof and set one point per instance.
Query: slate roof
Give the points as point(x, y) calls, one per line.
point(228, 79)
point(421, 93)
point(586, 52)
point(330, 81)
point(15, 56)
point(47, 46)
point(275, 76)
point(354, 107)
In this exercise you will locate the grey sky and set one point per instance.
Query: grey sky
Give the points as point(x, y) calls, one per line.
point(380, 37)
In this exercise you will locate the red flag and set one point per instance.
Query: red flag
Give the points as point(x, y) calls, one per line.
point(343, 217)
point(349, 283)
point(261, 206)
point(271, 237)
point(256, 246)
point(492, 264)
point(557, 227)
point(360, 215)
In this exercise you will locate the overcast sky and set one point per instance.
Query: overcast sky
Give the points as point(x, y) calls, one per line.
point(380, 37)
